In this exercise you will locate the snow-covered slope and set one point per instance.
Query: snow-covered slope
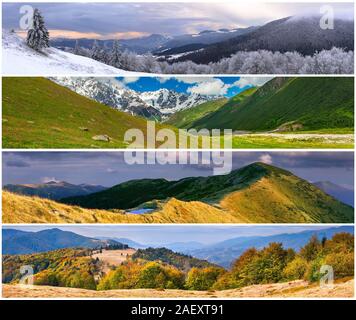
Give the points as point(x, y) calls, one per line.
point(151, 104)
point(19, 59)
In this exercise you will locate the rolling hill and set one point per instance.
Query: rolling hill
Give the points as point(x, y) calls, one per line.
point(179, 260)
point(54, 190)
point(47, 115)
point(22, 242)
point(288, 104)
point(255, 193)
point(301, 34)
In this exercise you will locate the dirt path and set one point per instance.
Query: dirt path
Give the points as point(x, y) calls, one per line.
point(298, 288)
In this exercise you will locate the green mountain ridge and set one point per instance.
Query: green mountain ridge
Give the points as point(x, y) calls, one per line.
point(133, 193)
point(303, 103)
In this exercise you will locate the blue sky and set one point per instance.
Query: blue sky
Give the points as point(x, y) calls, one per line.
point(132, 20)
point(226, 86)
point(150, 234)
point(110, 168)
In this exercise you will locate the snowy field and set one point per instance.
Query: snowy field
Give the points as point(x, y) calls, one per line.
point(19, 59)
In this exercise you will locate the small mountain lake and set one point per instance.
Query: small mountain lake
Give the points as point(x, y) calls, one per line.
point(140, 211)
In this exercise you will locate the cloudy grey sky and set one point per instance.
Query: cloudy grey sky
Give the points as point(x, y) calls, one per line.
point(129, 20)
point(149, 234)
point(110, 168)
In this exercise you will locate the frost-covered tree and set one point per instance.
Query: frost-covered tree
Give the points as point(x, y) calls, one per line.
point(37, 35)
point(96, 51)
point(333, 61)
point(77, 49)
point(115, 55)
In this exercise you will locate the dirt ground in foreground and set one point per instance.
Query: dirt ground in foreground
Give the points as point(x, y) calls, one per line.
point(297, 288)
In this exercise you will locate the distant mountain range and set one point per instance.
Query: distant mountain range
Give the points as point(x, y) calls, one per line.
point(339, 192)
point(300, 34)
point(150, 104)
point(54, 190)
point(139, 45)
point(129, 242)
point(25, 242)
point(221, 253)
point(255, 193)
point(157, 43)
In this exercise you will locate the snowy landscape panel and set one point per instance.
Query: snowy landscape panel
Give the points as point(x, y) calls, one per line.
point(287, 40)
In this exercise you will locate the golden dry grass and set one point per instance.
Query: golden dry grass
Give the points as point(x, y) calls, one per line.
point(24, 209)
point(113, 257)
point(299, 288)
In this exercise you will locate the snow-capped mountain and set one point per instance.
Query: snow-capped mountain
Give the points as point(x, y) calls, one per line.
point(19, 59)
point(150, 104)
point(169, 101)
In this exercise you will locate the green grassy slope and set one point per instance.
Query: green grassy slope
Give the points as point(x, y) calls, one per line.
point(315, 103)
point(257, 192)
point(186, 118)
point(38, 113)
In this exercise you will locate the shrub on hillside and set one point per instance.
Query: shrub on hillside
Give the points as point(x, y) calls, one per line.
point(203, 279)
point(295, 269)
point(154, 275)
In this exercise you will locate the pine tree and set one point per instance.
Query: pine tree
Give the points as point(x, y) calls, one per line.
point(37, 35)
point(115, 58)
point(96, 52)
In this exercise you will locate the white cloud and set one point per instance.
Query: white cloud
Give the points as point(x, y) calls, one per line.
point(193, 80)
point(163, 79)
point(115, 82)
point(49, 179)
point(213, 87)
point(266, 158)
point(127, 80)
point(252, 81)
point(110, 170)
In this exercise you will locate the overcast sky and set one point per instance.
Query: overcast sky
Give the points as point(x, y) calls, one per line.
point(207, 234)
point(130, 20)
point(110, 168)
